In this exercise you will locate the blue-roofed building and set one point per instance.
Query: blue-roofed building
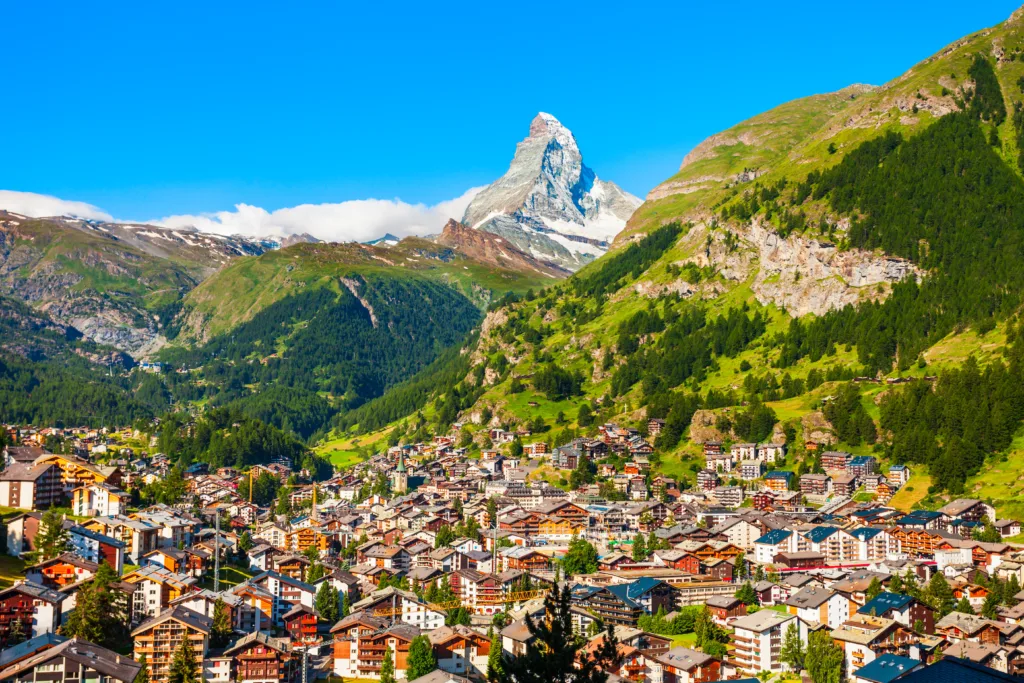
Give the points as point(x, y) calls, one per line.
point(873, 543)
point(886, 669)
point(778, 480)
point(923, 519)
point(862, 465)
point(904, 609)
point(622, 604)
point(772, 543)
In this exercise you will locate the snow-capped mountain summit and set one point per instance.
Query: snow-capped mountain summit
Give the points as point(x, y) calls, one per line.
point(549, 203)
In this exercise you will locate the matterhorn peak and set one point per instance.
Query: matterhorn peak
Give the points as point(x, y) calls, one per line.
point(549, 203)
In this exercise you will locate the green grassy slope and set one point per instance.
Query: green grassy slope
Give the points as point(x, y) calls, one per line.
point(243, 288)
point(576, 330)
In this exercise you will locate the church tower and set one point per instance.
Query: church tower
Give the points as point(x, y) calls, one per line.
point(400, 479)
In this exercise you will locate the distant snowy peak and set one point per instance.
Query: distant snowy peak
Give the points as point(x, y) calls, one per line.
point(388, 240)
point(551, 204)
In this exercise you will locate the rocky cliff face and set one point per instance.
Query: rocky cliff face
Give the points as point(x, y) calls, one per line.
point(800, 274)
point(494, 250)
point(549, 203)
point(107, 281)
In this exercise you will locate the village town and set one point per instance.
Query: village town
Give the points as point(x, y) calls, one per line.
point(426, 564)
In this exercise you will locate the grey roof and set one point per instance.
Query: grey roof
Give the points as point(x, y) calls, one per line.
point(100, 659)
point(193, 619)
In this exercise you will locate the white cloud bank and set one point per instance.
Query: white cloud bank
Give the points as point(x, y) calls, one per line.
point(357, 220)
point(41, 205)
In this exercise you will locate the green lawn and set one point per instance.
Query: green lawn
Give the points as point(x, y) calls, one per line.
point(230, 575)
point(684, 640)
point(11, 570)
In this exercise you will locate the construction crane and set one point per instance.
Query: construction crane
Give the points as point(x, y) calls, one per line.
point(508, 598)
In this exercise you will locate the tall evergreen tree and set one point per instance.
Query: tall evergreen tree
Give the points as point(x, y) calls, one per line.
point(143, 675)
point(553, 653)
point(52, 540)
point(495, 659)
point(387, 667)
point(792, 653)
point(639, 548)
point(939, 595)
point(824, 659)
point(326, 603)
point(222, 631)
point(420, 659)
point(183, 665)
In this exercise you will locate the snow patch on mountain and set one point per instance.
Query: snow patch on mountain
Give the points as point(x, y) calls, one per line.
point(549, 203)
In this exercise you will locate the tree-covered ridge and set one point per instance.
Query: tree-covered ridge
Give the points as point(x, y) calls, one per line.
point(72, 392)
point(328, 340)
point(226, 437)
point(944, 199)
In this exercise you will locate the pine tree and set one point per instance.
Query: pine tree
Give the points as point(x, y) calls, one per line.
point(792, 653)
point(964, 606)
point(580, 558)
point(552, 653)
point(420, 659)
point(939, 595)
point(824, 659)
point(16, 634)
point(143, 675)
point(874, 589)
point(495, 658)
point(345, 605)
point(747, 595)
point(896, 584)
point(639, 548)
point(183, 666)
point(387, 668)
point(53, 539)
point(315, 572)
point(221, 633)
point(1010, 591)
point(740, 564)
point(326, 603)
point(990, 609)
point(245, 543)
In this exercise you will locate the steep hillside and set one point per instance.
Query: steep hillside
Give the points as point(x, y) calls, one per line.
point(117, 284)
point(244, 288)
point(816, 132)
point(874, 234)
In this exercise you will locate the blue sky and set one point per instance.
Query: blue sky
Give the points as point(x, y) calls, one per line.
point(153, 109)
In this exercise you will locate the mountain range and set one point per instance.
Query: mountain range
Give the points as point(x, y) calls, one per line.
point(875, 233)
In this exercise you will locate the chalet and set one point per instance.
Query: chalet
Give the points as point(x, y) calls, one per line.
point(63, 570)
point(815, 484)
point(819, 605)
point(683, 665)
point(37, 607)
point(300, 623)
point(724, 608)
point(904, 609)
point(70, 661)
point(835, 461)
point(158, 637)
point(968, 509)
point(460, 650)
point(259, 658)
point(778, 480)
point(31, 487)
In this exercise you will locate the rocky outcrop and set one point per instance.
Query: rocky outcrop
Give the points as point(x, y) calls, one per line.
point(490, 248)
point(801, 274)
point(549, 203)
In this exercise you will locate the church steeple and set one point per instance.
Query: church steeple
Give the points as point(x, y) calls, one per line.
point(400, 478)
